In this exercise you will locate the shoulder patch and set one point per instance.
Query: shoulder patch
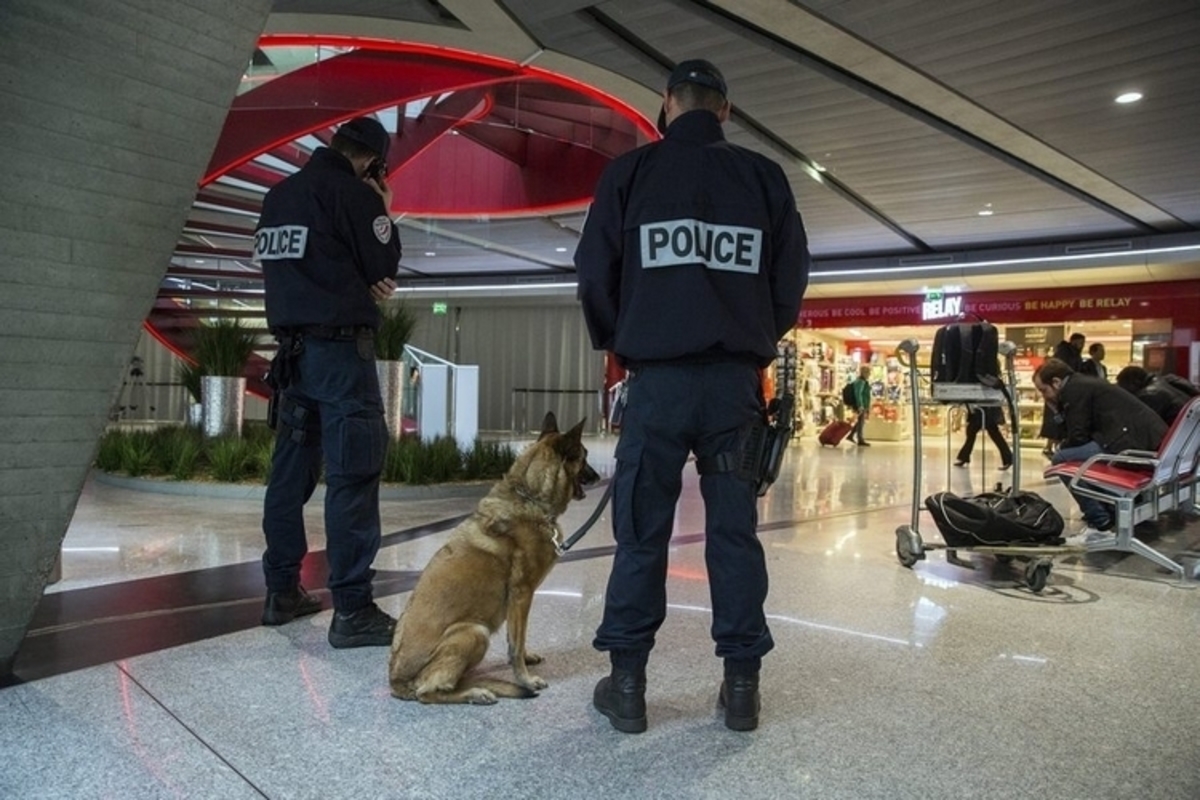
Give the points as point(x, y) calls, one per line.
point(383, 229)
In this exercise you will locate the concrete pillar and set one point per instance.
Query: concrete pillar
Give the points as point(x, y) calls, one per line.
point(109, 111)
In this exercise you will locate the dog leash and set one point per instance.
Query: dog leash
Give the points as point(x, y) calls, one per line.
point(577, 535)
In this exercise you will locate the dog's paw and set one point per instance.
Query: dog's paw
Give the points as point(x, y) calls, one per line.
point(480, 697)
point(532, 658)
point(533, 682)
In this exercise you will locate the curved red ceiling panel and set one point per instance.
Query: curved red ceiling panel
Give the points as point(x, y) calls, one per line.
point(494, 138)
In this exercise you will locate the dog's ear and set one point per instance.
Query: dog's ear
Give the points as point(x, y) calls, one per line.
point(570, 444)
point(549, 425)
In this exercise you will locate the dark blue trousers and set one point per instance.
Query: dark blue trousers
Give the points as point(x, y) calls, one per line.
point(673, 411)
point(331, 409)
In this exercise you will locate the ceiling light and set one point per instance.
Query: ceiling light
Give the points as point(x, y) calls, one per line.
point(987, 212)
point(560, 249)
point(1129, 97)
point(430, 253)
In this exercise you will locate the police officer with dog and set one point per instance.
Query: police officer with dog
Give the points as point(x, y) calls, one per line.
point(328, 252)
point(692, 264)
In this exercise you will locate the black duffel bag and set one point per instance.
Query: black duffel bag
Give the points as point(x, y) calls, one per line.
point(996, 519)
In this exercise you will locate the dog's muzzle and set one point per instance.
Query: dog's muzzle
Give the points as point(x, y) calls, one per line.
point(586, 477)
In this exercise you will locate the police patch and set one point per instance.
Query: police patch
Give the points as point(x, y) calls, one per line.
point(383, 229)
point(676, 242)
point(280, 243)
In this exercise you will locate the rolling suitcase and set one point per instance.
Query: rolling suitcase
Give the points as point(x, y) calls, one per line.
point(834, 433)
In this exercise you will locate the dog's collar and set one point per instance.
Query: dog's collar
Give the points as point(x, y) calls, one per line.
point(527, 496)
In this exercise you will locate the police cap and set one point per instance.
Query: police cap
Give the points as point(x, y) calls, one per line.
point(368, 132)
point(698, 71)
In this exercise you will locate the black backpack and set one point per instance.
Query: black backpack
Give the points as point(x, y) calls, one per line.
point(848, 396)
point(966, 352)
point(995, 518)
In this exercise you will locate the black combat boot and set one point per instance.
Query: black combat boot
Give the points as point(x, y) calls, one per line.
point(283, 607)
point(368, 626)
point(622, 698)
point(739, 697)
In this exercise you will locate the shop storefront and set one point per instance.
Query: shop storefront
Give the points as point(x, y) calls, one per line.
point(1155, 325)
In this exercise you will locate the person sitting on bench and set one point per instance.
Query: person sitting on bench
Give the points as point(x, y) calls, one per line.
point(1098, 417)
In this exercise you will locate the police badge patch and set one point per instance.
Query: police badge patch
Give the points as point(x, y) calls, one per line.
point(383, 229)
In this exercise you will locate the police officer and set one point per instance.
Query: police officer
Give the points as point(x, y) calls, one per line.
point(328, 252)
point(691, 266)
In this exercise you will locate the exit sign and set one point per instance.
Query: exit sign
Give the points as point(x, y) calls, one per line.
point(439, 308)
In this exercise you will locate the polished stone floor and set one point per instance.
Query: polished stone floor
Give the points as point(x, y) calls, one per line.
point(145, 674)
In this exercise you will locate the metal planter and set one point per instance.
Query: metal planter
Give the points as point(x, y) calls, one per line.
point(224, 400)
point(392, 376)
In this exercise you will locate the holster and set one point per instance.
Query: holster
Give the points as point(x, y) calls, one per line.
point(779, 431)
point(283, 371)
point(760, 447)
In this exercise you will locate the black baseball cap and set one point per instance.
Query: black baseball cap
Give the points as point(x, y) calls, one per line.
point(697, 70)
point(369, 132)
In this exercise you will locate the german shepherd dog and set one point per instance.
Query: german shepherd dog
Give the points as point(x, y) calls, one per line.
point(486, 575)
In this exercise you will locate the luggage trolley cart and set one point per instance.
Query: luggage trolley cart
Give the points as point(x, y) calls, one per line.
point(910, 547)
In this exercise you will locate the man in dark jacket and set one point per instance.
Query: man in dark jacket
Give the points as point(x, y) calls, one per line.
point(691, 265)
point(1165, 397)
point(1070, 352)
point(1098, 417)
point(328, 251)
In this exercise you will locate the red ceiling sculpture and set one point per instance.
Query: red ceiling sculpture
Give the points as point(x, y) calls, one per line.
point(473, 136)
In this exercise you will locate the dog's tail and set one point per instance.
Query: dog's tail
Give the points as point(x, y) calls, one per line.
point(500, 688)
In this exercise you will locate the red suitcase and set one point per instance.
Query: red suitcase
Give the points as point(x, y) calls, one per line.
point(834, 433)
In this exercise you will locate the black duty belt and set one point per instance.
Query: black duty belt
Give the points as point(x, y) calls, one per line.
point(337, 332)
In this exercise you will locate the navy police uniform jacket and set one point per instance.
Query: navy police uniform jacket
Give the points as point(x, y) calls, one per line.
point(692, 251)
point(324, 238)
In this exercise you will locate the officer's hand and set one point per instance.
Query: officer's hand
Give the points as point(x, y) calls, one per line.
point(382, 189)
point(383, 290)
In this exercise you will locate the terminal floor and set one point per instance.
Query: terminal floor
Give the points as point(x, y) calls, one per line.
point(146, 675)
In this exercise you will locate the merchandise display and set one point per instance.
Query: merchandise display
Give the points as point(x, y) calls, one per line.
point(816, 364)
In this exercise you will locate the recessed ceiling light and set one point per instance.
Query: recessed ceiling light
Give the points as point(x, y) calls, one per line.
point(1129, 97)
point(987, 212)
point(430, 253)
point(560, 249)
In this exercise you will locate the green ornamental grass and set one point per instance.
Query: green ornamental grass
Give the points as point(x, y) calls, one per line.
point(181, 453)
